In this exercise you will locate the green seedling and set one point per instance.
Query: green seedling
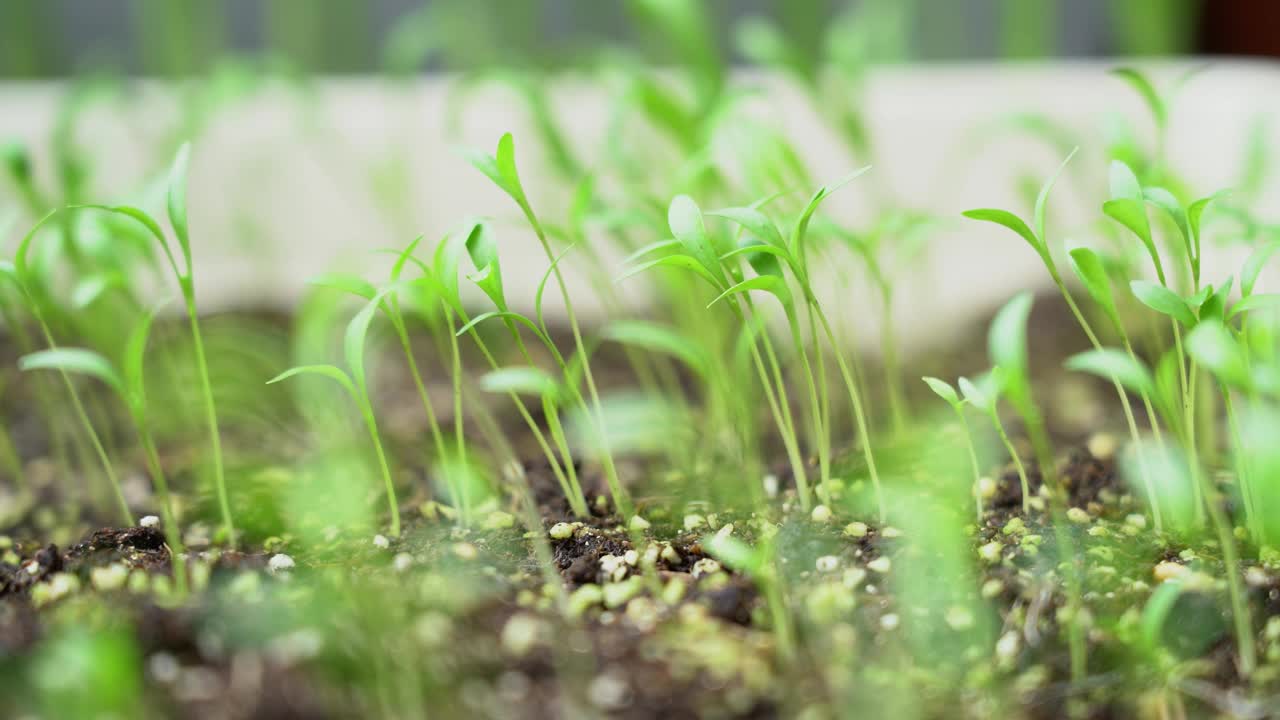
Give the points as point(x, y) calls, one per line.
point(1007, 346)
point(501, 169)
point(769, 255)
point(356, 386)
point(128, 383)
point(438, 286)
point(20, 274)
point(905, 234)
point(984, 396)
point(185, 275)
point(1035, 235)
point(944, 390)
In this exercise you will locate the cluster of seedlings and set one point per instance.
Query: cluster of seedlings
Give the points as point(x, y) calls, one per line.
point(723, 512)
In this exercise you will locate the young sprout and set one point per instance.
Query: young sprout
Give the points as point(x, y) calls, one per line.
point(1007, 346)
point(21, 275)
point(792, 254)
point(356, 386)
point(984, 395)
point(185, 275)
point(1035, 235)
point(944, 390)
point(501, 169)
point(129, 385)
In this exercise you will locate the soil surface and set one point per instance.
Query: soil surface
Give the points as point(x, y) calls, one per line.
point(530, 612)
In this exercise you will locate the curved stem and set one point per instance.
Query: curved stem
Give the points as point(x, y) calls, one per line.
point(372, 424)
point(859, 414)
point(1017, 461)
point(211, 418)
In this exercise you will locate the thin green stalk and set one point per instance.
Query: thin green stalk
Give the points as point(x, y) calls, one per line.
point(782, 419)
point(94, 440)
point(1146, 397)
point(621, 499)
point(1144, 469)
point(366, 409)
point(824, 397)
point(1255, 519)
point(568, 483)
point(173, 534)
point(557, 435)
point(1186, 378)
point(973, 461)
point(463, 497)
point(1240, 614)
point(1017, 461)
point(785, 415)
point(858, 413)
point(821, 431)
point(433, 423)
point(211, 417)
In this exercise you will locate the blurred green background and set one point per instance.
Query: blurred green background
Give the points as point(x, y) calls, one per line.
point(46, 38)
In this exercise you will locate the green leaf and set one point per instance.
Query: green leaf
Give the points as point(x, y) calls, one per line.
point(345, 282)
point(683, 262)
point(1133, 215)
point(152, 227)
point(976, 395)
point(1124, 183)
point(1042, 199)
point(542, 337)
point(446, 261)
point(91, 289)
point(824, 192)
point(76, 360)
point(1010, 221)
point(754, 222)
point(177, 202)
point(1166, 201)
point(1215, 307)
point(403, 257)
point(521, 380)
point(1216, 348)
point(481, 246)
point(650, 249)
point(354, 340)
point(542, 286)
point(501, 168)
point(768, 283)
point(1253, 267)
point(1088, 267)
point(489, 280)
point(329, 371)
point(1115, 365)
point(943, 389)
point(657, 338)
point(1142, 85)
point(1007, 339)
point(1261, 301)
point(1157, 611)
point(685, 221)
point(134, 358)
point(1196, 210)
point(1164, 301)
